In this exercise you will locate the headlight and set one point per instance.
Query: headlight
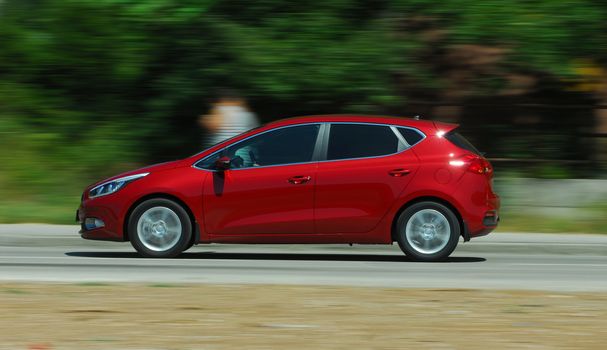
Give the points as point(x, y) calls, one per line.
point(113, 186)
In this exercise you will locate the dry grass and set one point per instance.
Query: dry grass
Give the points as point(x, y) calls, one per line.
point(91, 316)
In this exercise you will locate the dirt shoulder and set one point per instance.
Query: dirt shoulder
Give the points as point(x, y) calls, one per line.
point(91, 316)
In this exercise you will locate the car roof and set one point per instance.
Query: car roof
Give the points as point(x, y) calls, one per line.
point(421, 124)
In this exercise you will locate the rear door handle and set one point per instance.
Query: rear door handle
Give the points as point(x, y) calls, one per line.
point(298, 180)
point(399, 172)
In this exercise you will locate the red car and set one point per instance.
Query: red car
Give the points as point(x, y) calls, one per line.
point(320, 179)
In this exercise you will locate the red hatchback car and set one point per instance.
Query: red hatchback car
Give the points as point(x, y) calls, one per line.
point(320, 179)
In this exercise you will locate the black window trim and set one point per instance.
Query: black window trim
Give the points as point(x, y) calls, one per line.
point(321, 145)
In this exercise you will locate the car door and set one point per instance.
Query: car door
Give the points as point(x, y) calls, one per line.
point(269, 188)
point(367, 167)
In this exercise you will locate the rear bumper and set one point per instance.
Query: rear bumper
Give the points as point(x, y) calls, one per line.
point(482, 225)
point(491, 218)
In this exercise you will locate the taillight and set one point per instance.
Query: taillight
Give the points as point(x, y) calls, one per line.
point(473, 163)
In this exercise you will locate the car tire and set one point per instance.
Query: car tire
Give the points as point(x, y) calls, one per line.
point(427, 231)
point(189, 245)
point(159, 228)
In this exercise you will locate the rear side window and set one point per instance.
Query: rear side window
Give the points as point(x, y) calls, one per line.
point(411, 136)
point(461, 142)
point(360, 140)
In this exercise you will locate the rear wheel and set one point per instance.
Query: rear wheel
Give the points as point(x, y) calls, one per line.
point(160, 228)
point(427, 231)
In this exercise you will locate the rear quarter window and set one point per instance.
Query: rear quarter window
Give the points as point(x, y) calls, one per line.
point(411, 136)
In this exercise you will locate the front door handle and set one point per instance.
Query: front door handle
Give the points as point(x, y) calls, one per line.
point(298, 180)
point(399, 172)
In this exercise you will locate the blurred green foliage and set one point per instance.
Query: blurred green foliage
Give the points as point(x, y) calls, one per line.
point(587, 219)
point(92, 87)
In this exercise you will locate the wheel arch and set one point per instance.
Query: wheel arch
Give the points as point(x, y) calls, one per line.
point(462, 224)
point(156, 195)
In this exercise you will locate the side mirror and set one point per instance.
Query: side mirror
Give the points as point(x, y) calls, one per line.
point(223, 163)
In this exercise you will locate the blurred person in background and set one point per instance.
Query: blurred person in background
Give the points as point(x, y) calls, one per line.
point(229, 116)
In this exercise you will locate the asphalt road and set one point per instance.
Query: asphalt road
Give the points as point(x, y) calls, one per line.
point(562, 262)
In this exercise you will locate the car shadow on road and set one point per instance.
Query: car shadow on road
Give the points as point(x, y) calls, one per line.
point(209, 255)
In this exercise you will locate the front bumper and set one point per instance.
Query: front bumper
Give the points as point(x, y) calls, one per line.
point(110, 231)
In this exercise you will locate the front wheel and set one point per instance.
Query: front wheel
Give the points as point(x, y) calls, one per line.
point(159, 228)
point(427, 231)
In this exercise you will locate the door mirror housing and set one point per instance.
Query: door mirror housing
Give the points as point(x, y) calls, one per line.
point(223, 163)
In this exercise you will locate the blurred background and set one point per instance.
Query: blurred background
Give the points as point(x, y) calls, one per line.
point(90, 88)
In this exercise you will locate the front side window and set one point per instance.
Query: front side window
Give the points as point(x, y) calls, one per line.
point(277, 147)
point(361, 140)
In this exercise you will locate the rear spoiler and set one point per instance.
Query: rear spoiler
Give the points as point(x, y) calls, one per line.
point(445, 127)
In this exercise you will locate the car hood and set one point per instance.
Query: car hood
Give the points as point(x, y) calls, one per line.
point(147, 169)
